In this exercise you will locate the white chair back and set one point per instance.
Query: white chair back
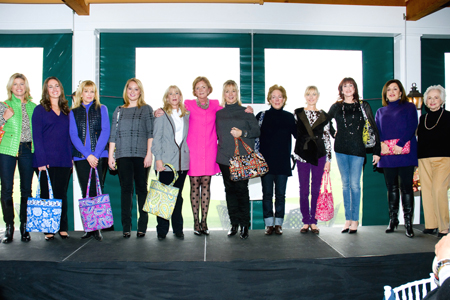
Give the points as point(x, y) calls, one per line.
point(415, 290)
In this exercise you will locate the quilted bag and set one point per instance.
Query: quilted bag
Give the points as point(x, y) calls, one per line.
point(161, 198)
point(243, 167)
point(368, 132)
point(325, 205)
point(391, 143)
point(43, 215)
point(96, 212)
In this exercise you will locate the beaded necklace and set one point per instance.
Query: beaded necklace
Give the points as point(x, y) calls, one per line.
point(353, 117)
point(203, 106)
point(436, 121)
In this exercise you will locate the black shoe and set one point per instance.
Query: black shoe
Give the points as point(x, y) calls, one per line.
point(49, 237)
point(442, 234)
point(180, 235)
point(430, 231)
point(233, 230)
point(345, 230)
point(244, 232)
point(197, 232)
point(351, 231)
point(161, 237)
point(98, 235)
point(87, 235)
point(205, 229)
point(126, 235)
point(409, 230)
point(140, 234)
point(64, 237)
point(393, 223)
point(9, 233)
point(25, 235)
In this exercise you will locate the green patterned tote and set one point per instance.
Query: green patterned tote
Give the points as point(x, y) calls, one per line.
point(161, 197)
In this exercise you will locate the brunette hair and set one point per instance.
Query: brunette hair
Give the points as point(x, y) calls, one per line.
point(45, 99)
point(341, 93)
point(384, 98)
point(274, 88)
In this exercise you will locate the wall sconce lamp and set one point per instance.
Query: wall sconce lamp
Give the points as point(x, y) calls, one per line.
point(415, 96)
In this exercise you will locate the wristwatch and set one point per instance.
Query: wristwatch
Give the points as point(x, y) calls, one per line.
point(442, 263)
point(245, 133)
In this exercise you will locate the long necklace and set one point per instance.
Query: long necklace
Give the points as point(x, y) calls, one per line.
point(353, 117)
point(436, 122)
point(203, 106)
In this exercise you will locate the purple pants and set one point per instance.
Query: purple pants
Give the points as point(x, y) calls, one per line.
point(304, 170)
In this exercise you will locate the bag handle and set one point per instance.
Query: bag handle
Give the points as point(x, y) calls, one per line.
point(326, 182)
point(175, 174)
point(50, 189)
point(236, 146)
point(362, 110)
point(99, 188)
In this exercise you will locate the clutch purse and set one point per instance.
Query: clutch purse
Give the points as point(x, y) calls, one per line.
point(243, 167)
point(96, 211)
point(43, 215)
point(325, 204)
point(161, 198)
point(391, 143)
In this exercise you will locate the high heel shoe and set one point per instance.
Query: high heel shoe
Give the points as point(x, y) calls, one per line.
point(233, 230)
point(25, 235)
point(9, 233)
point(205, 229)
point(351, 231)
point(49, 237)
point(345, 230)
point(244, 232)
point(393, 223)
point(98, 235)
point(64, 236)
point(430, 230)
point(140, 234)
point(126, 235)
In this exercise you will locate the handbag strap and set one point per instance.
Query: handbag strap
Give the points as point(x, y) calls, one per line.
point(175, 174)
point(236, 146)
point(326, 182)
point(50, 189)
point(99, 189)
point(362, 110)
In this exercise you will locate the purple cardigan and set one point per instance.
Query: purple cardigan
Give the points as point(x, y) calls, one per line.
point(398, 121)
point(51, 139)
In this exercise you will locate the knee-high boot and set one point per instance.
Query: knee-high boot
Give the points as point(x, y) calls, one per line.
point(394, 199)
point(408, 210)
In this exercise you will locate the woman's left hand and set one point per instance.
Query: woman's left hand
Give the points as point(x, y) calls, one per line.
point(397, 150)
point(249, 109)
point(148, 161)
point(236, 132)
point(327, 166)
point(92, 160)
point(375, 159)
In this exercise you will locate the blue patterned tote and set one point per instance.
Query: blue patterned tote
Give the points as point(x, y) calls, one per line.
point(96, 212)
point(43, 215)
point(161, 197)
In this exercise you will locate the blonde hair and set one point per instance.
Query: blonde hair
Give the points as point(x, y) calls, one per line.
point(274, 88)
point(140, 101)
point(233, 84)
point(78, 99)
point(168, 107)
point(205, 80)
point(27, 96)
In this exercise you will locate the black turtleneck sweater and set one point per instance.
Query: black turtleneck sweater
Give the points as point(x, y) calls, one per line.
point(231, 116)
point(434, 142)
point(275, 140)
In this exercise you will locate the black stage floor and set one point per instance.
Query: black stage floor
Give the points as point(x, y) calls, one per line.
point(330, 265)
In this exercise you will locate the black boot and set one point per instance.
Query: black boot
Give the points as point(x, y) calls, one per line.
point(9, 233)
point(244, 232)
point(393, 199)
point(233, 230)
point(25, 235)
point(408, 209)
point(98, 235)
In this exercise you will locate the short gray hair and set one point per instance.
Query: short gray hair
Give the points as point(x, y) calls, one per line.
point(435, 88)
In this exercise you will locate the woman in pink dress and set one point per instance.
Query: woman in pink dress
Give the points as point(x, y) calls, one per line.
point(202, 142)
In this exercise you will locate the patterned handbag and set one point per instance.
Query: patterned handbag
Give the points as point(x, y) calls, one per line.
point(416, 180)
point(43, 215)
point(243, 167)
point(369, 139)
point(325, 205)
point(161, 197)
point(96, 212)
point(391, 143)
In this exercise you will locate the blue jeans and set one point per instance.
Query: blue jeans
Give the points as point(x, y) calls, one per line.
point(350, 167)
point(280, 182)
point(8, 163)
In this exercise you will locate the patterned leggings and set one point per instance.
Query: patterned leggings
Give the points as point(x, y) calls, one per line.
point(196, 182)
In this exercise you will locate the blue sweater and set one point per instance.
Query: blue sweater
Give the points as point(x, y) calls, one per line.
point(398, 121)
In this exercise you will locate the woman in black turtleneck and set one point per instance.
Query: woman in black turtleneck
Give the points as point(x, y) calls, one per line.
point(277, 127)
point(232, 122)
point(433, 151)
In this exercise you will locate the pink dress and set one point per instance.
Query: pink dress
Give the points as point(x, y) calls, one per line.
point(202, 138)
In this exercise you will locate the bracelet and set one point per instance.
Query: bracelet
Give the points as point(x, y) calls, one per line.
point(442, 263)
point(245, 133)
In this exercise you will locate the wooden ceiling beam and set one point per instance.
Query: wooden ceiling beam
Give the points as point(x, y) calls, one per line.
point(346, 2)
point(78, 6)
point(417, 9)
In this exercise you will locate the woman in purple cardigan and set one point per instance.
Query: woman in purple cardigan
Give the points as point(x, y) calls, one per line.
point(52, 146)
point(397, 123)
point(89, 133)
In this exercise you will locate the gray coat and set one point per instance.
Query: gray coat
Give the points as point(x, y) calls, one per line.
point(164, 146)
